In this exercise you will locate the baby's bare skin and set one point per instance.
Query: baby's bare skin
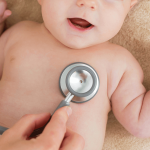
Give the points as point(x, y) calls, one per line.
point(30, 81)
point(31, 61)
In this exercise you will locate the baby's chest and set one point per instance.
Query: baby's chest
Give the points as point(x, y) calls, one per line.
point(31, 75)
point(39, 69)
point(46, 61)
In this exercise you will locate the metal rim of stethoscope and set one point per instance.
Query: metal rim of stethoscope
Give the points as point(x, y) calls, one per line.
point(64, 81)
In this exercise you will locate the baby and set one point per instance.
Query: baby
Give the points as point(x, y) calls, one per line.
point(33, 55)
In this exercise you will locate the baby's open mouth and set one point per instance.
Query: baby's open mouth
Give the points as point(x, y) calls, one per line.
point(80, 24)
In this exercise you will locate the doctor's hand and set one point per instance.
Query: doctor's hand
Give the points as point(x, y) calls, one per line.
point(55, 136)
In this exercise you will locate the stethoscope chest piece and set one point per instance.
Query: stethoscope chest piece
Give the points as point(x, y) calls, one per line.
point(81, 80)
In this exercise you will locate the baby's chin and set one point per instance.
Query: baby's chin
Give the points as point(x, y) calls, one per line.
point(76, 44)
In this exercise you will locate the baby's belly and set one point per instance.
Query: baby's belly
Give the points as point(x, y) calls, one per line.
point(29, 87)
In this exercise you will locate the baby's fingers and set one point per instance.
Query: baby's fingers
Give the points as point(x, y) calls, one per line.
point(6, 14)
point(3, 12)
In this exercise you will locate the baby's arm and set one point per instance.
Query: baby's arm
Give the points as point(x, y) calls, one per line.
point(130, 102)
point(3, 40)
point(3, 15)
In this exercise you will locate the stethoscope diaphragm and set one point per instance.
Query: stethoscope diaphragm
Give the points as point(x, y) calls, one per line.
point(81, 80)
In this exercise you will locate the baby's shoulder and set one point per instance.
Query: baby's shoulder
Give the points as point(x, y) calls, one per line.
point(118, 50)
point(116, 58)
point(115, 51)
point(121, 55)
point(22, 27)
point(17, 32)
point(24, 24)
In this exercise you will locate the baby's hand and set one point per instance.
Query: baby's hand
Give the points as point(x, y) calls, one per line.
point(4, 13)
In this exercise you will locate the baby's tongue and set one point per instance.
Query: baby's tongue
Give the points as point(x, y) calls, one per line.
point(80, 22)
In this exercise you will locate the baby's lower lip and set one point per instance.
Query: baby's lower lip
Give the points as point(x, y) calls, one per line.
point(79, 29)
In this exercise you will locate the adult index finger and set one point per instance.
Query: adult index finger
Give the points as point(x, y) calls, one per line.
point(55, 130)
point(25, 126)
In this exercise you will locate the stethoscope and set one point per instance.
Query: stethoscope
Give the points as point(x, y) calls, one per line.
point(79, 81)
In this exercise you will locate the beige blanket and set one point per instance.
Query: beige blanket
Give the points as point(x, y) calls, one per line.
point(134, 35)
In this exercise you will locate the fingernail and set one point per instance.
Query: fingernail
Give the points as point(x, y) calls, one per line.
point(69, 110)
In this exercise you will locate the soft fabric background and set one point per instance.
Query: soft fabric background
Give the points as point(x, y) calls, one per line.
point(134, 35)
